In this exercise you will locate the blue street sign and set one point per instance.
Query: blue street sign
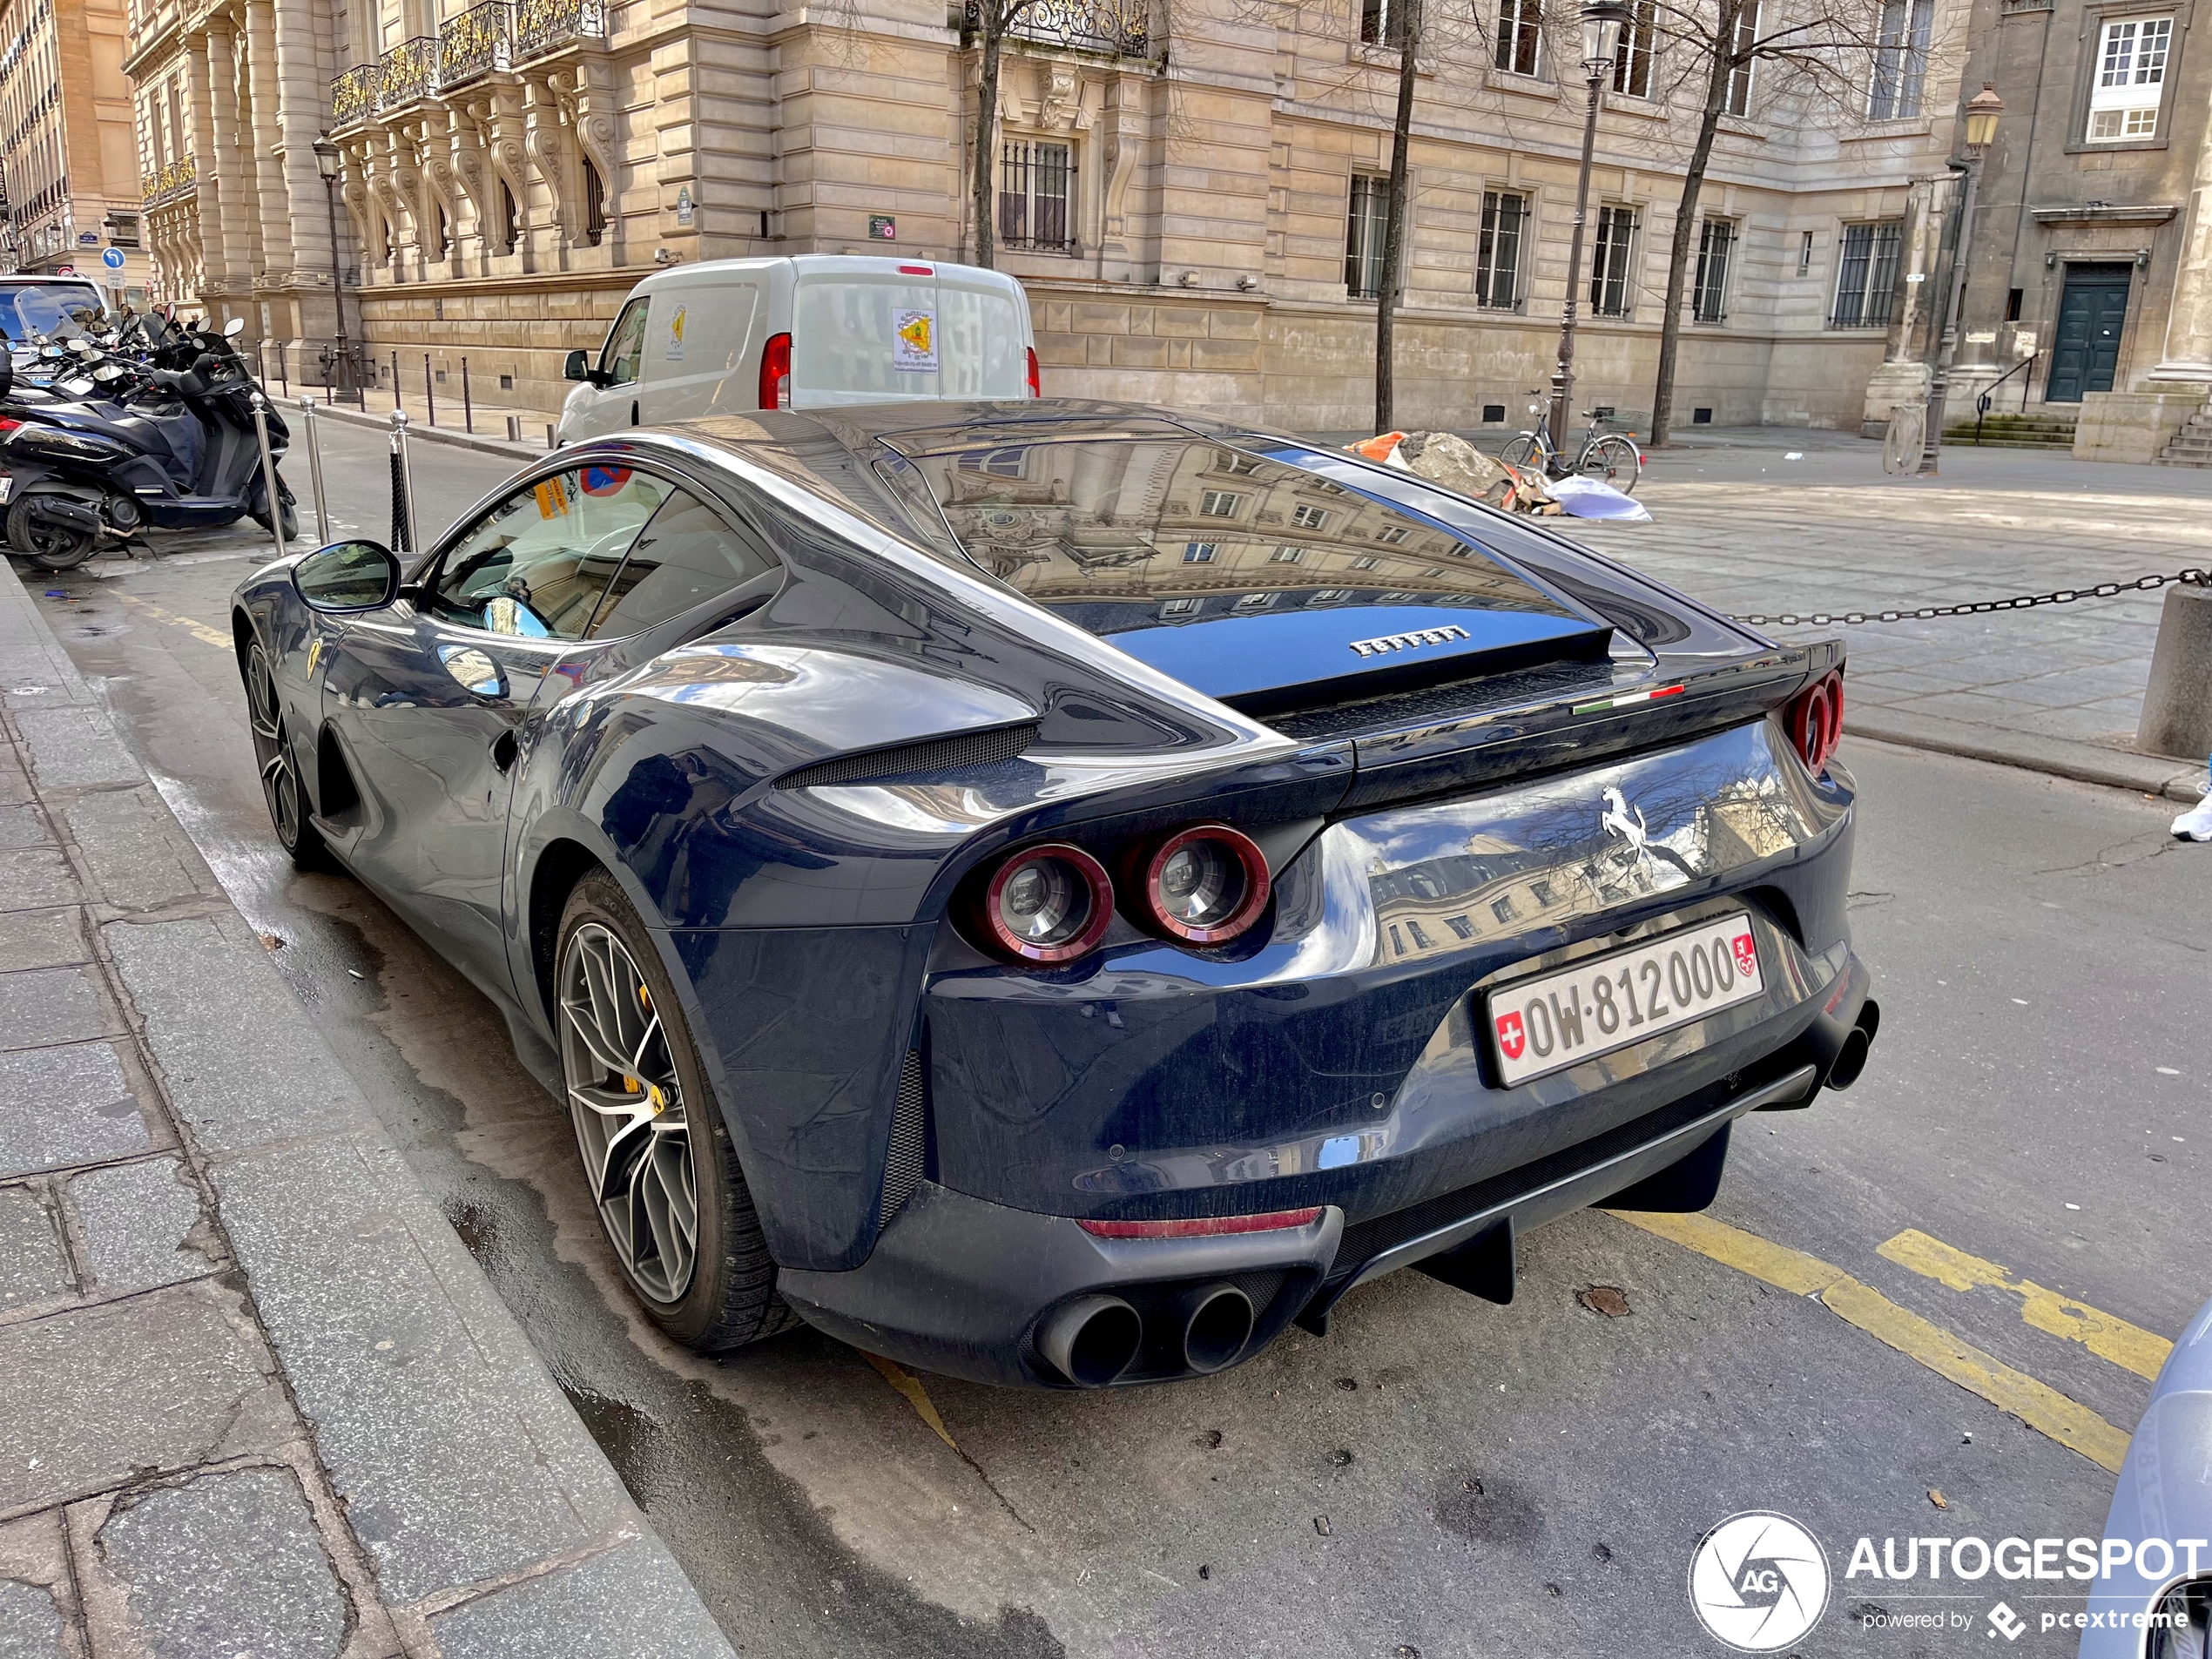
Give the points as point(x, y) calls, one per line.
point(112, 259)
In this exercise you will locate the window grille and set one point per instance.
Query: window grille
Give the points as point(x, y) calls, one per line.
point(1716, 244)
point(1616, 235)
point(1866, 275)
point(1036, 196)
point(1497, 267)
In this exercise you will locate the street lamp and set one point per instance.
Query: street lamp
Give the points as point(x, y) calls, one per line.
point(327, 160)
point(1982, 110)
point(1601, 24)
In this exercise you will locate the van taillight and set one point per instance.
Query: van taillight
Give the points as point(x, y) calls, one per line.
point(1034, 392)
point(775, 373)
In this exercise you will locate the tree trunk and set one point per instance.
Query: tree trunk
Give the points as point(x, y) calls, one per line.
point(1693, 184)
point(991, 19)
point(1395, 223)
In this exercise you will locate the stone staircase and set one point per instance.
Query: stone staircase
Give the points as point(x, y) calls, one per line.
point(2051, 432)
point(2192, 445)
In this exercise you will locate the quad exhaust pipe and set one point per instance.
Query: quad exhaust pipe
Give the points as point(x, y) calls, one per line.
point(1851, 1058)
point(1093, 1339)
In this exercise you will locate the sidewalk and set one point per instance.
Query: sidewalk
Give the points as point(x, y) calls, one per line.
point(255, 1395)
point(2058, 688)
point(1775, 520)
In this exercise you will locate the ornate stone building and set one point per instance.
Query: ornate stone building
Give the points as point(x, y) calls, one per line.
point(65, 149)
point(1190, 189)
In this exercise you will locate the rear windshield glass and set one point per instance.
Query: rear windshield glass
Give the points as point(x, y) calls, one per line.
point(1132, 533)
point(55, 309)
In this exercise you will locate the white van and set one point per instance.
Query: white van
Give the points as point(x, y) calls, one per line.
point(808, 332)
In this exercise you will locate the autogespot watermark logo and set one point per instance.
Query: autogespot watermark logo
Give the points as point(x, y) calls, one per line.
point(1758, 1582)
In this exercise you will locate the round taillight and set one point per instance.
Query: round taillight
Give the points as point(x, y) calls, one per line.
point(1204, 885)
point(1816, 721)
point(1046, 904)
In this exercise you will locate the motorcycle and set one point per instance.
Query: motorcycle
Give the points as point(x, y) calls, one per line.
point(115, 445)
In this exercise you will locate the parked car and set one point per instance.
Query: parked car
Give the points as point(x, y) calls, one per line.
point(1053, 892)
point(55, 306)
point(2147, 1606)
point(814, 330)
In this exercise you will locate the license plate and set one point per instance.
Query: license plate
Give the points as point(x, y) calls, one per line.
point(1608, 1003)
point(7, 483)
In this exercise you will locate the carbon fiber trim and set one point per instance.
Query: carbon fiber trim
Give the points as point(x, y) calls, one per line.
point(904, 1166)
point(911, 762)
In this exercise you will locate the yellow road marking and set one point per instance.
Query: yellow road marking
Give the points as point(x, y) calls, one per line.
point(2103, 1334)
point(198, 630)
point(909, 1384)
point(2038, 1404)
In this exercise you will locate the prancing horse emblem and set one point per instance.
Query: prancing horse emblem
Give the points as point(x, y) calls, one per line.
point(1617, 821)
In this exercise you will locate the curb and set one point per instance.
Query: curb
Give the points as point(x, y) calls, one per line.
point(416, 431)
point(492, 1524)
point(2088, 763)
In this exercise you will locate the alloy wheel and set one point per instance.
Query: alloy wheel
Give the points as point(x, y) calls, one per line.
point(628, 1107)
point(279, 783)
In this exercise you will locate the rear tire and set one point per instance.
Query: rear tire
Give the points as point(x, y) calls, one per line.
point(48, 547)
point(1615, 459)
point(1521, 452)
point(283, 789)
point(653, 1140)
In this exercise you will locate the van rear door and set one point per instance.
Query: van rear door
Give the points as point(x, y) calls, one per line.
point(887, 330)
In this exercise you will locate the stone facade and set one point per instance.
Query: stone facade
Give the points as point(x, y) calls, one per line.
point(2089, 273)
point(1181, 191)
point(66, 146)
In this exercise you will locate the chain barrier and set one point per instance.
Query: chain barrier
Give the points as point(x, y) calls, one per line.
point(1979, 607)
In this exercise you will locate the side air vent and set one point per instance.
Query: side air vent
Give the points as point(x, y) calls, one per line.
point(913, 761)
point(903, 1170)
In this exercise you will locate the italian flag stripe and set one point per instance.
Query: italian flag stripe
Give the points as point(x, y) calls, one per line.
point(1627, 700)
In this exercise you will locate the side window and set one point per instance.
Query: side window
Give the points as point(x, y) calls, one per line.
point(625, 347)
point(687, 556)
point(539, 564)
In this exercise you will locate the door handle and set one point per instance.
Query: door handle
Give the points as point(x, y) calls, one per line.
point(504, 750)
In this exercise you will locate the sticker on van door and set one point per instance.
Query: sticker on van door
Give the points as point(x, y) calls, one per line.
point(675, 335)
point(914, 342)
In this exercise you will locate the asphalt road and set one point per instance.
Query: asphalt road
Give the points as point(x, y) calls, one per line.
point(1440, 1476)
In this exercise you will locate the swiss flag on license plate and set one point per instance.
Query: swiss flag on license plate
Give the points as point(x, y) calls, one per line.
point(1511, 1038)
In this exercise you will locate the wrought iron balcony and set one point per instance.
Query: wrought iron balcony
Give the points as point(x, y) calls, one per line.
point(476, 43)
point(179, 179)
point(352, 96)
point(409, 73)
point(1121, 27)
point(542, 26)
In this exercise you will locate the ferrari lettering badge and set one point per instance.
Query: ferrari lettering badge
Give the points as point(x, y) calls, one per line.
point(1419, 637)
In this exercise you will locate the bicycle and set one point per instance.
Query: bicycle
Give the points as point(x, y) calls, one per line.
point(1608, 456)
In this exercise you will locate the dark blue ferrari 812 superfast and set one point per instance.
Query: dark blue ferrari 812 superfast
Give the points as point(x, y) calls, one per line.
point(1053, 892)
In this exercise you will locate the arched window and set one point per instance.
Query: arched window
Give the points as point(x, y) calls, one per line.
point(595, 204)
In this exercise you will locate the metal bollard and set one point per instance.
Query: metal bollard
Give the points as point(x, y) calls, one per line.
point(270, 497)
point(430, 392)
point(513, 428)
point(396, 404)
point(468, 412)
point(549, 436)
point(402, 487)
point(284, 385)
point(315, 467)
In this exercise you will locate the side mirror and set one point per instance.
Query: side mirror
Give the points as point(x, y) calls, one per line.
point(347, 576)
point(234, 327)
point(578, 367)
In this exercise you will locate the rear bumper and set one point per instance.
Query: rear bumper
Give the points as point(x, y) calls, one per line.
point(960, 1285)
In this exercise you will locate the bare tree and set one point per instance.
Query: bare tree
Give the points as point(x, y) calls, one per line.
point(989, 22)
point(1408, 20)
point(1828, 61)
